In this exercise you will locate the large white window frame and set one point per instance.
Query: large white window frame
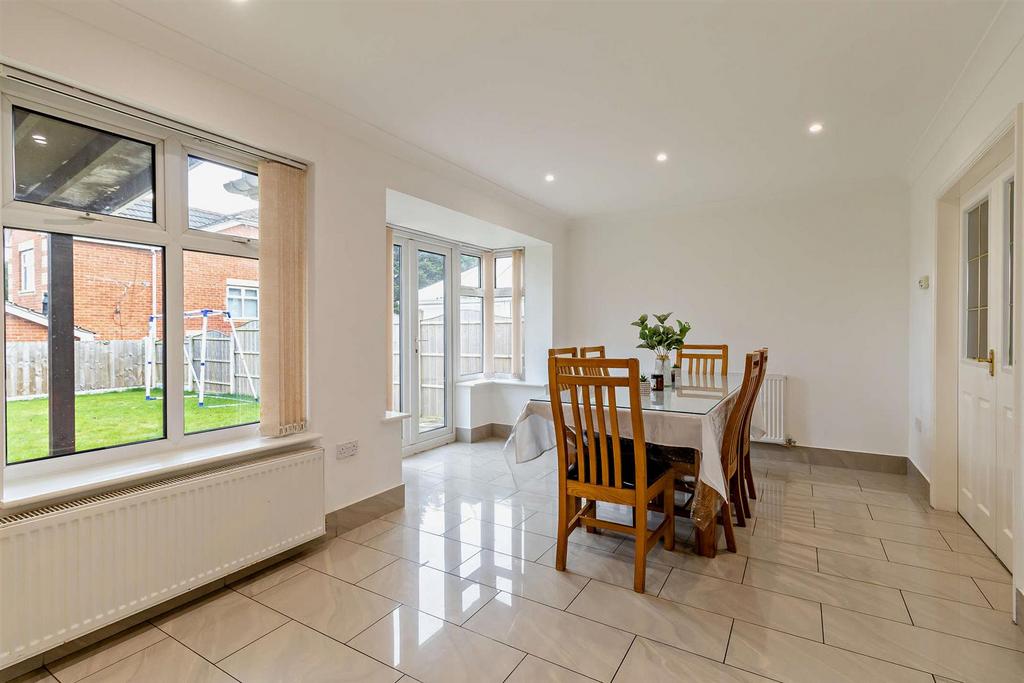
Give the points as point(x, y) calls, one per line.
point(169, 230)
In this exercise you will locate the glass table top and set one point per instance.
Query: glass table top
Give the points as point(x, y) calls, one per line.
point(693, 395)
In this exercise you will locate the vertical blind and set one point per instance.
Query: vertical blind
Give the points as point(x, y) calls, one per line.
point(283, 294)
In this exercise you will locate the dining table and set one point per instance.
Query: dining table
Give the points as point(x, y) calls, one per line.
point(691, 414)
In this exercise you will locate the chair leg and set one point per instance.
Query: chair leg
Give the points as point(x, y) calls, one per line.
point(734, 494)
point(668, 499)
point(749, 476)
point(741, 486)
point(640, 556)
point(565, 503)
point(730, 535)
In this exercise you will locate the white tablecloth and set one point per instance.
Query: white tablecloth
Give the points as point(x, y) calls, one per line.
point(534, 434)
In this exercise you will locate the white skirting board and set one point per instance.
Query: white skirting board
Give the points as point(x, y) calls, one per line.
point(69, 569)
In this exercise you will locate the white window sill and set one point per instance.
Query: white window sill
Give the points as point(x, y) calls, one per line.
point(480, 381)
point(394, 416)
point(55, 486)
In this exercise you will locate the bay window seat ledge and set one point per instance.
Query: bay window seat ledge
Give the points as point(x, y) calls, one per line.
point(54, 487)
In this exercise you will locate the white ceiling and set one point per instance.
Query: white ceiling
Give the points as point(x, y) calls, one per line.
point(591, 92)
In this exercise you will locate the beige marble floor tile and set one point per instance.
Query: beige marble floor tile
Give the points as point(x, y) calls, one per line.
point(687, 628)
point(920, 648)
point(821, 538)
point(329, 605)
point(578, 644)
point(650, 661)
point(547, 525)
point(988, 568)
point(37, 676)
point(784, 514)
point(902, 576)
point(297, 653)
point(856, 495)
point(533, 670)
point(220, 624)
point(268, 578)
point(882, 530)
point(432, 650)
point(77, 666)
point(977, 623)
point(346, 560)
point(797, 660)
point(418, 478)
point(472, 470)
point(430, 519)
point(774, 610)
point(608, 567)
point(534, 501)
point(826, 588)
point(475, 489)
point(429, 590)
point(728, 566)
point(998, 594)
point(969, 544)
point(515, 575)
point(367, 531)
point(839, 507)
point(423, 548)
point(517, 542)
point(496, 512)
point(772, 550)
point(941, 521)
point(167, 661)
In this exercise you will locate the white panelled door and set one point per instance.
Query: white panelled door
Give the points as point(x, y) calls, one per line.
point(986, 434)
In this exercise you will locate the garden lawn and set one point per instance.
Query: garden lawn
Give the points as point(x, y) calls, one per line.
point(115, 418)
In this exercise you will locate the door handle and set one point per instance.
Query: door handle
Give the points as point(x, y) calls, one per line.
point(991, 360)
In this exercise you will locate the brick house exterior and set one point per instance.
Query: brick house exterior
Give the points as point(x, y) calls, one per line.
point(113, 285)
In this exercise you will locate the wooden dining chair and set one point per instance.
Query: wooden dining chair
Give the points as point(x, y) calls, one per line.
point(594, 352)
point(607, 467)
point(686, 461)
point(749, 488)
point(701, 359)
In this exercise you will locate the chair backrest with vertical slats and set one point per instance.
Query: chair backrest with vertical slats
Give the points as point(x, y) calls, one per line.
point(589, 407)
point(745, 433)
point(701, 359)
point(567, 351)
point(593, 352)
point(732, 438)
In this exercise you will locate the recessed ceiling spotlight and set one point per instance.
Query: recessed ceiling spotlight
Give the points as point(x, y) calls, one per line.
point(550, 177)
point(662, 157)
point(815, 128)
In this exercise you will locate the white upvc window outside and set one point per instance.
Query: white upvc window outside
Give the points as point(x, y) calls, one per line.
point(243, 299)
point(152, 215)
point(27, 261)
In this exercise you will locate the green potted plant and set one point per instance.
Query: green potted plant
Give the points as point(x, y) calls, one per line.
point(662, 339)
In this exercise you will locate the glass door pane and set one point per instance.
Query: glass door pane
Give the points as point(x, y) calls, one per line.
point(431, 339)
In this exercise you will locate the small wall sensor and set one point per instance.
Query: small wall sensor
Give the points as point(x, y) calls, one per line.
point(924, 282)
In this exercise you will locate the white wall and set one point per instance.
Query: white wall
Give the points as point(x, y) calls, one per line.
point(818, 279)
point(350, 178)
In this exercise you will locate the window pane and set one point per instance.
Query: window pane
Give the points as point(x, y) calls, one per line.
point(222, 353)
point(396, 329)
point(222, 199)
point(503, 272)
point(433, 321)
point(470, 267)
point(250, 309)
point(471, 325)
point(971, 341)
point(103, 304)
point(503, 335)
point(64, 164)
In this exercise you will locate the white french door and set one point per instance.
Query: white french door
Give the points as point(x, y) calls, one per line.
point(425, 342)
point(986, 434)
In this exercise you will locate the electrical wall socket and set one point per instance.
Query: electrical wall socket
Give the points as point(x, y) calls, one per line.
point(346, 449)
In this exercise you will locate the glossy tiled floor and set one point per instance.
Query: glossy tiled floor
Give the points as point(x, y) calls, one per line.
point(843, 575)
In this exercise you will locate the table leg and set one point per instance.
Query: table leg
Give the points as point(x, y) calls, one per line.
point(706, 541)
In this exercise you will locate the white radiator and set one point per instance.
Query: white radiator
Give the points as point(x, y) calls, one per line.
point(69, 569)
point(772, 402)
